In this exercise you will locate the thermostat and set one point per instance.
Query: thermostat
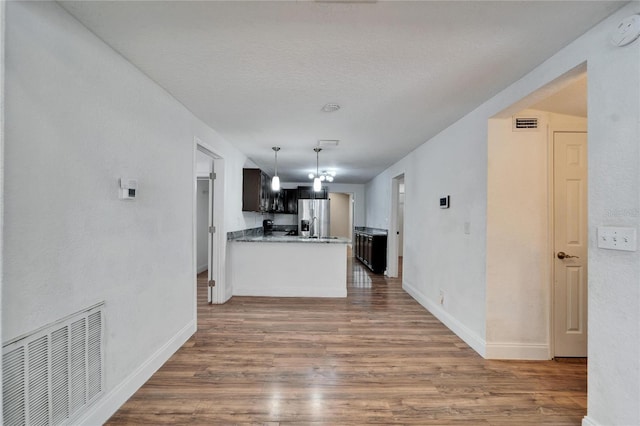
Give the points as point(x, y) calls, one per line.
point(128, 189)
point(444, 202)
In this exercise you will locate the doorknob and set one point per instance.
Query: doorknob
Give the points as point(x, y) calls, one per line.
point(563, 255)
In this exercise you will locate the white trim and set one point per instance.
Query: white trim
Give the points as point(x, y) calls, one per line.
point(468, 336)
point(549, 265)
point(516, 350)
point(112, 401)
point(586, 421)
point(202, 268)
point(218, 268)
point(2, 106)
point(392, 236)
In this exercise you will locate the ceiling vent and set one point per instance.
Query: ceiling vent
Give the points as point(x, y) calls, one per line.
point(328, 143)
point(525, 124)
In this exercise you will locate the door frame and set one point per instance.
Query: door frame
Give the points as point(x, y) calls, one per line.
point(569, 128)
point(216, 263)
point(392, 240)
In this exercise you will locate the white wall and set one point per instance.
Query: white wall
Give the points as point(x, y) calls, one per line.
point(614, 199)
point(78, 118)
point(438, 254)
point(518, 256)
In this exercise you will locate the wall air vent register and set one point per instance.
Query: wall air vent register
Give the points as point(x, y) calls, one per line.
point(525, 124)
point(51, 375)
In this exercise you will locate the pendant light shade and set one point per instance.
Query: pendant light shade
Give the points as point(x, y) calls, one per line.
point(275, 182)
point(317, 186)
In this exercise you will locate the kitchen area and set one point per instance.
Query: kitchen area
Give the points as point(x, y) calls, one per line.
point(294, 253)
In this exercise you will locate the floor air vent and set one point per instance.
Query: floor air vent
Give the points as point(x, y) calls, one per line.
point(51, 375)
point(525, 124)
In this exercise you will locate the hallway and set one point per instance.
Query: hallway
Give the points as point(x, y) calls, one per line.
point(376, 357)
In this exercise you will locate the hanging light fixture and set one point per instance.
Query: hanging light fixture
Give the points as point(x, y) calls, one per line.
point(318, 178)
point(275, 182)
point(327, 175)
point(317, 186)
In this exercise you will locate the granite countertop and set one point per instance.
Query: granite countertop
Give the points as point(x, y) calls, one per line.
point(291, 239)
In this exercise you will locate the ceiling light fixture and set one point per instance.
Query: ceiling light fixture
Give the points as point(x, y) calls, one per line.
point(317, 186)
point(331, 107)
point(318, 178)
point(275, 182)
point(327, 175)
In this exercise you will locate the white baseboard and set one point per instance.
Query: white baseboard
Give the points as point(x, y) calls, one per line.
point(586, 421)
point(203, 268)
point(516, 350)
point(470, 338)
point(104, 408)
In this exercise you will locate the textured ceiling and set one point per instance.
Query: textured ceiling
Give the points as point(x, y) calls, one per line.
point(260, 72)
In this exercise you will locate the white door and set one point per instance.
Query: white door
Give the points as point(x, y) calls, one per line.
point(570, 244)
point(211, 245)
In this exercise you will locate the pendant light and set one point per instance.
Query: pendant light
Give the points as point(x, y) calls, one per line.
point(275, 182)
point(317, 186)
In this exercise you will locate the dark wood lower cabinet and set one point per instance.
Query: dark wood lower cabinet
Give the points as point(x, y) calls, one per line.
point(371, 249)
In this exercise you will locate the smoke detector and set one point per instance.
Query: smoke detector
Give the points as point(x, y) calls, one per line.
point(627, 31)
point(331, 107)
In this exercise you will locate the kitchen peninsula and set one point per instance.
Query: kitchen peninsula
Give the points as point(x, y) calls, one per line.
point(287, 266)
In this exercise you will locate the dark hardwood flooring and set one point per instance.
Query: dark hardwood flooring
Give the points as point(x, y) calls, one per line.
point(376, 357)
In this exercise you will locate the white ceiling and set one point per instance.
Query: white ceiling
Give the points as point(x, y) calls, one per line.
point(570, 100)
point(260, 72)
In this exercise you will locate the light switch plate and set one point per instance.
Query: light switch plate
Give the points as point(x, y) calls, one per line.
point(617, 238)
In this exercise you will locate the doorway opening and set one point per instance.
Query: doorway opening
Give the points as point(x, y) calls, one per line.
point(208, 229)
point(537, 210)
point(341, 214)
point(395, 240)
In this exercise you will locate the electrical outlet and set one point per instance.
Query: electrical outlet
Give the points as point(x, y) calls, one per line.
point(617, 238)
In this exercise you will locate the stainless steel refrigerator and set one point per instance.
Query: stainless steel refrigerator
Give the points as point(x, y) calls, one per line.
point(313, 218)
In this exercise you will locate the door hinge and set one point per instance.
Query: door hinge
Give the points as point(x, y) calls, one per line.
point(212, 229)
point(212, 283)
point(212, 175)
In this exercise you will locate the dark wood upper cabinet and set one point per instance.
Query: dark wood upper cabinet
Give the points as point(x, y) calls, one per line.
point(307, 193)
point(257, 195)
point(290, 198)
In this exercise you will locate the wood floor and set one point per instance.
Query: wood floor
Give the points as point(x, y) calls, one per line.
point(376, 357)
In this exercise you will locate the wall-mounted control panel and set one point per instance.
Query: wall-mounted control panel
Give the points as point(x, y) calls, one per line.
point(128, 189)
point(444, 202)
point(617, 238)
